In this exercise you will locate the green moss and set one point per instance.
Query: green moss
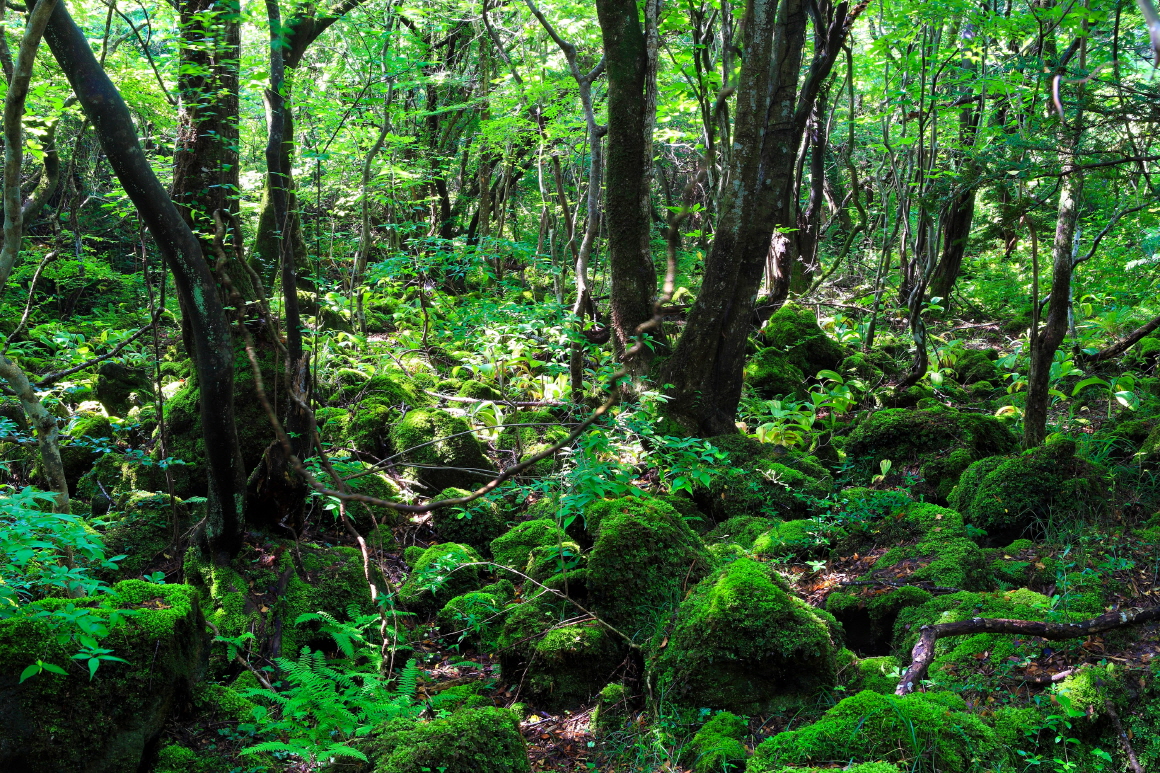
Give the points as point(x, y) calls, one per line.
point(475, 524)
point(332, 424)
point(935, 445)
point(740, 641)
point(860, 366)
point(86, 429)
point(792, 538)
point(644, 559)
point(874, 674)
point(473, 617)
point(482, 740)
point(718, 746)
point(933, 730)
point(513, 547)
point(119, 386)
point(412, 554)
point(373, 484)
point(71, 723)
point(611, 710)
point(975, 365)
point(142, 529)
point(442, 448)
point(548, 560)
point(570, 664)
point(771, 374)
point(1009, 496)
point(478, 390)
point(946, 562)
point(794, 330)
point(436, 577)
point(740, 530)
point(763, 480)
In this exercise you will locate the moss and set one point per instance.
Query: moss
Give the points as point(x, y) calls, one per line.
point(473, 617)
point(482, 740)
point(86, 430)
point(740, 530)
point(570, 664)
point(71, 723)
point(611, 710)
point(436, 577)
point(795, 331)
point(103, 486)
point(801, 539)
point(937, 445)
point(868, 616)
point(946, 562)
point(644, 559)
point(373, 484)
point(874, 674)
point(933, 730)
point(513, 547)
point(332, 424)
point(118, 387)
point(142, 529)
point(859, 366)
point(548, 560)
point(718, 746)
point(975, 365)
point(476, 523)
point(763, 480)
point(741, 641)
point(478, 390)
point(445, 452)
point(412, 554)
point(1009, 496)
point(771, 374)
point(865, 767)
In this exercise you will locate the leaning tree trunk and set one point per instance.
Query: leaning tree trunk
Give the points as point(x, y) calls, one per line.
point(708, 362)
point(212, 350)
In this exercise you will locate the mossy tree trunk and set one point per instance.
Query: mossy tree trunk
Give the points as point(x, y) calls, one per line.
point(707, 365)
point(210, 332)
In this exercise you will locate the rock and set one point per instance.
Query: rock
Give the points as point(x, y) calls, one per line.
point(479, 740)
point(67, 724)
point(116, 384)
point(513, 547)
point(741, 642)
point(444, 451)
point(476, 524)
point(437, 577)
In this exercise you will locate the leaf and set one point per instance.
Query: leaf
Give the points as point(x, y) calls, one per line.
point(94, 664)
point(1129, 400)
point(30, 671)
point(1087, 382)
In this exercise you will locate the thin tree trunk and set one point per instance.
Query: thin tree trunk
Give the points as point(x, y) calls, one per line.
point(212, 349)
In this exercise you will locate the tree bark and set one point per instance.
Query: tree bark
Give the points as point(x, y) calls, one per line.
point(212, 349)
point(633, 275)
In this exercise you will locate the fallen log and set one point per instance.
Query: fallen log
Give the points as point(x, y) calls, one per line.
point(922, 655)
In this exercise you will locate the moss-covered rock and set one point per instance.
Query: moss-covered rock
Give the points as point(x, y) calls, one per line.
point(444, 452)
point(611, 710)
point(439, 575)
point(771, 374)
point(62, 724)
point(801, 539)
point(571, 664)
point(935, 445)
point(88, 431)
point(718, 746)
point(741, 530)
point(642, 563)
point(142, 529)
point(794, 330)
point(932, 728)
point(761, 479)
point(117, 383)
point(479, 390)
point(742, 642)
point(1008, 496)
point(975, 365)
point(481, 740)
point(472, 617)
point(476, 523)
point(513, 547)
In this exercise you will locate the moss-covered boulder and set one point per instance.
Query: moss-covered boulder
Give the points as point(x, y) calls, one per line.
point(771, 374)
point(62, 724)
point(440, 574)
point(474, 616)
point(975, 365)
point(762, 479)
point(718, 746)
point(142, 529)
point(88, 432)
point(743, 643)
point(644, 559)
point(794, 330)
point(868, 617)
point(117, 383)
point(442, 450)
point(931, 729)
point(935, 446)
point(1008, 496)
point(481, 740)
point(799, 539)
point(476, 523)
point(571, 664)
point(741, 530)
point(513, 547)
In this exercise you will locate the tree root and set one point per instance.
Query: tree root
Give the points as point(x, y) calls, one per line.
point(924, 649)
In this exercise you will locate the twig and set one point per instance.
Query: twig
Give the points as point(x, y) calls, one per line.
point(1133, 762)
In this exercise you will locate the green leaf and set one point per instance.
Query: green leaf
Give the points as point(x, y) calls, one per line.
point(52, 669)
point(32, 670)
point(94, 664)
point(1087, 382)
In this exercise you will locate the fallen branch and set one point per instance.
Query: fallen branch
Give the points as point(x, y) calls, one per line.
point(1133, 762)
point(935, 589)
point(924, 649)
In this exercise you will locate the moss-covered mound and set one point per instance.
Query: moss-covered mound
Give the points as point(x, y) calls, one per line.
point(742, 642)
point(440, 574)
point(67, 724)
point(513, 547)
point(761, 479)
point(935, 445)
point(117, 384)
point(141, 529)
point(795, 331)
point(718, 745)
point(484, 740)
point(442, 449)
point(476, 523)
point(1007, 496)
point(933, 730)
point(571, 664)
point(644, 560)
point(88, 431)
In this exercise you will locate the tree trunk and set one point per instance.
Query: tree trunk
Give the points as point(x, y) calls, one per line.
point(212, 350)
point(708, 362)
point(634, 280)
point(205, 158)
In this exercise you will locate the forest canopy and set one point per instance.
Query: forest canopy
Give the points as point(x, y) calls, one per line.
point(718, 385)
